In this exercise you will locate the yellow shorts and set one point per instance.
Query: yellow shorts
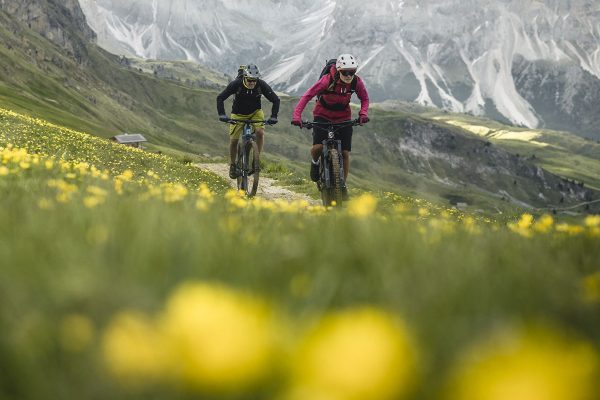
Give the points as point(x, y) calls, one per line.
point(235, 131)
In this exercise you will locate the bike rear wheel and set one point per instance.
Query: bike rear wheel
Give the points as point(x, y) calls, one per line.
point(249, 168)
point(332, 195)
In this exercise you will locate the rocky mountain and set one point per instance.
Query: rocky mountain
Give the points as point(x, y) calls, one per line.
point(440, 156)
point(61, 22)
point(535, 64)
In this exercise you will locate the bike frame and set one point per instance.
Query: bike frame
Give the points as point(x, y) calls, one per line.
point(328, 144)
point(331, 142)
point(247, 140)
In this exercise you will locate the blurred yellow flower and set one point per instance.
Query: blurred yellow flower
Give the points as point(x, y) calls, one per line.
point(544, 224)
point(529, 365)
point(522, 227)
point(525, 221)
point(126, 175)
point(423, 212)
point(134, 350)
point(358, 354)
point(93, 201)
point(4, 171)
point(362, 206)
point(592, 221)
point(223, 340)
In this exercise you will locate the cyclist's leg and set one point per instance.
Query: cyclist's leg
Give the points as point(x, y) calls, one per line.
point(319, 134)
point(315, 151)
point(259, 128)
point(260, 138)
point(346, 157)
point(346, 138)
point(235, 131)
point(233, 143)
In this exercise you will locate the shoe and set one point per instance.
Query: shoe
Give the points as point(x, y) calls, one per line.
point(314, 172)
point(232, 171)
point(345, 196)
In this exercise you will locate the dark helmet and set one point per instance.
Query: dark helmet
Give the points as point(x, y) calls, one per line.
point(251, 71)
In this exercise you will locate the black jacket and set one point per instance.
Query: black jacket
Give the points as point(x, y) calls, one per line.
point(247, 101)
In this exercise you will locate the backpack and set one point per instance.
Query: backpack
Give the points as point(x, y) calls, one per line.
point(241, 70)
point(325, 71)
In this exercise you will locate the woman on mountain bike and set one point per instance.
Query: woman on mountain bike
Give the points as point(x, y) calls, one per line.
point(334, 91)
point(247, 88)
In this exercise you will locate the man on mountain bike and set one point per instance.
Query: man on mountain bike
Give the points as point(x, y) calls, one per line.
point(248, 89)
point(334, 91)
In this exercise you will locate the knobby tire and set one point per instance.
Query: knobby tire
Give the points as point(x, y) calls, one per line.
point(253, 168)
point(332, 194)
point(248, 164)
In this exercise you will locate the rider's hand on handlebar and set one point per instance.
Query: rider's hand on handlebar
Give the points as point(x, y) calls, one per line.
point(223, 118)
point(297, 123)
point(272, 120)
point(363, 119)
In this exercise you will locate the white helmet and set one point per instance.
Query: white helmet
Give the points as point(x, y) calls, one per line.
point(346, 61)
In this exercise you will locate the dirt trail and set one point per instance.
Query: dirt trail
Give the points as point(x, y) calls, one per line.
point(267, 188)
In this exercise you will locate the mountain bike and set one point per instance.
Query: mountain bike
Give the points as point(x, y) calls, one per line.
point(331, 162)
point(247, 160)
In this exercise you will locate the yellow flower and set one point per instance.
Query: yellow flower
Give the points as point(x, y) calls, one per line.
point(126, 176)
point(423, 212)
point(363, 206)
point(223, 340)
point(522, 226)
point(96, 191)
point(93, 201)
point(134, 350)
point(570, 229)
point(174, 192)
point(358, 354)
point(4, 171)
point(592, 221)
point(525, 221)
point(534, 364)
point(544, 224)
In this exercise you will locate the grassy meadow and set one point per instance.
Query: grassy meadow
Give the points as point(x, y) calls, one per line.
point(133, 275)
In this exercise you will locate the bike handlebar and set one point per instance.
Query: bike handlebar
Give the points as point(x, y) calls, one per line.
point(246, 121)
point(309, 124)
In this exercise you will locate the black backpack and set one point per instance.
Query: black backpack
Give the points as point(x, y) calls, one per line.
point(325, 71)
point(241, 70)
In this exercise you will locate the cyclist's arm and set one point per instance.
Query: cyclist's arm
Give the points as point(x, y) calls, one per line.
point(363, 95)
point(315, 90)
point(224, 95)
point(271, 96)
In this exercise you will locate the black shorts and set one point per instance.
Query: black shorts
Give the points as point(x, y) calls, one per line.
point(344, 134)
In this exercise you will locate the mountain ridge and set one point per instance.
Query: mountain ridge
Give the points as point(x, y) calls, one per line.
point(456, 55)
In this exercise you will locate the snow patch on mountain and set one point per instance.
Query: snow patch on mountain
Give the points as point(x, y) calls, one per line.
point(455, 54)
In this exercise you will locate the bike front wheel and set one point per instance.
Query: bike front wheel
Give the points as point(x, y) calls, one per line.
point(249, 168)
point(331, 194)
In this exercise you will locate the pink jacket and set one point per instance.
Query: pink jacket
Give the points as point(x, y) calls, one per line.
point(342, 95)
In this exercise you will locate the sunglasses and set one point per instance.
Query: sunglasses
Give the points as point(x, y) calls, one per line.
point(251, 80)
point(348, 72)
